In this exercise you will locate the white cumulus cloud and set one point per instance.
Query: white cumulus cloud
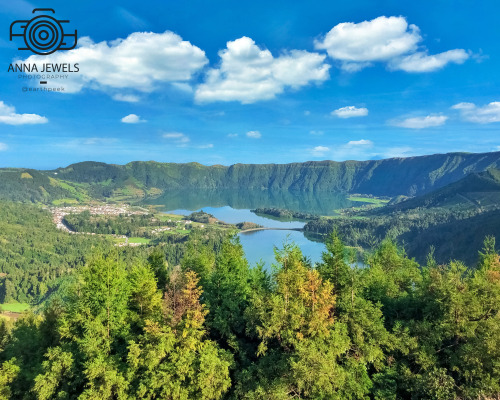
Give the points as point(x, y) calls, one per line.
point(9, 116)
point(129, 98)
point(354, 149)
point(350, 112)
point(362, 142)
point(140, 62)
point(384, 39)
point(132, 119)
point(248, 74)
point(254, 134)
point(481, 115)
point(3, 147)
point(176, 137)
point(380, 39)
point(319, 151)
point(397, 152)
point(423, 62)
point(420, 122)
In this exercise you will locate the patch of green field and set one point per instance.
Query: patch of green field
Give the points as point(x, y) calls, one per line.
point(166, 217)
point(138, 240)
point(14, 307)
point(60, 202)
point(154, 192)
point(371, 200)
point(344, 216)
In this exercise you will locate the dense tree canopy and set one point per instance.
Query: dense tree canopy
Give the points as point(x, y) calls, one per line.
point(35, 256)
point(214, 328)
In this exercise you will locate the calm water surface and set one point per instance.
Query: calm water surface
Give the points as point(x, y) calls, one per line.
point(233, 216)
point(259, 245)
point(233, 206)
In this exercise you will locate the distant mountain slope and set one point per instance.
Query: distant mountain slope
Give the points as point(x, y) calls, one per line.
point(390, 177)
point(453, 219)
point(92, 172)
point(31, 186)
point(477, 194)
point(477, 190)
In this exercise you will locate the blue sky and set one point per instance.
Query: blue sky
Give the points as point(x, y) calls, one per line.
point(224, 82)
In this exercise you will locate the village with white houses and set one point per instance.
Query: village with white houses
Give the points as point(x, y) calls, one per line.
point(115, 210)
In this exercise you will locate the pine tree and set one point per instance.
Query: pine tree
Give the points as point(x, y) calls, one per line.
point(301, 345)
point(173, 359)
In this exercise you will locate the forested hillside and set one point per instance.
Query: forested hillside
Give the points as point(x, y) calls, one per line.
point(31, 186)
point(391, 177)
point(476, 190)
point(214, 328)
point(34, 254)
point(453, 220)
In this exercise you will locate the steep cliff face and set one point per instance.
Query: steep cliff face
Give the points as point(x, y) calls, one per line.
point(391, 177)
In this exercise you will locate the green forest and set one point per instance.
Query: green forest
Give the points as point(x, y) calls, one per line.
point(284, 214)
point(451, 220)
point(128, 225)
point(214, 328)
point(35, 256)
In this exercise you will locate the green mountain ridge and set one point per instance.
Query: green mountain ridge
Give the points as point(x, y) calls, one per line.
point(32, 186)
point(454, 220)
point(392, 177)
point(477, 190)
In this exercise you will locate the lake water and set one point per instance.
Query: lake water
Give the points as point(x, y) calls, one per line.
point(234, 206)
point(259, 245)
point(321, 203)
point(232, 215)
